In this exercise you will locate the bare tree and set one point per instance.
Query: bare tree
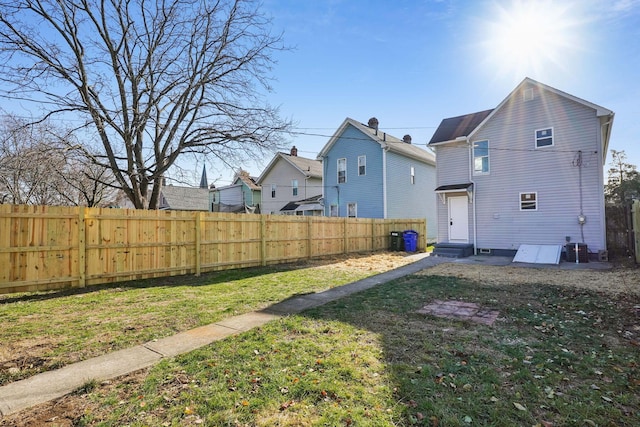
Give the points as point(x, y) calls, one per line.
point(152, 79)
point(39, 165)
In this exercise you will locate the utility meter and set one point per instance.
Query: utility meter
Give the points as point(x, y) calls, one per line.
point(582, 219)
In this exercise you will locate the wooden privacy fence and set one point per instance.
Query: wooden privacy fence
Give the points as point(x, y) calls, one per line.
point(623, 230)
point(51, 247)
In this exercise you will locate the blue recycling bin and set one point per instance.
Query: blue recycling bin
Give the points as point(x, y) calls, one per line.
point(410, 240)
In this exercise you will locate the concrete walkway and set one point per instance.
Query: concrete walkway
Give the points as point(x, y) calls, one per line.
point(50, 385)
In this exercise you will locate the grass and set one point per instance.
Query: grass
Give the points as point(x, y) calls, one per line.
point(556, 356)
point(44, 331)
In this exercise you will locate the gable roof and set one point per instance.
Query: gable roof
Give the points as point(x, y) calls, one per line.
point(454, 127)
point(605, 115)
point(309, 167)
point(184, 198)
point(385, 140)
point(249, 181)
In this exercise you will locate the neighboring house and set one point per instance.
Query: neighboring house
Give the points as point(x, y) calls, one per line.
point(528, 172)
point(185, 198)
point(368, 173)
point(243, 195)
point(292, 185)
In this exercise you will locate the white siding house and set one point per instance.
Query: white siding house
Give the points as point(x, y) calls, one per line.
point(529, 171)
point(292, 185)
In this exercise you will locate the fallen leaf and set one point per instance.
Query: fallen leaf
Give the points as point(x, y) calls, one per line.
point(606, 399)
point(467, 419)
point(519, 407)
point(590, 423)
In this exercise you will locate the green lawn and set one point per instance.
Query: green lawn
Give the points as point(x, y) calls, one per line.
point(47, 330)
point(555, 357)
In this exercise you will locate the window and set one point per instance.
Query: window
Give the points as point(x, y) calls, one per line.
point(480, 157)
point(352, 210)
point(362, 165)
point(273, 191)
point(342, 171)
point(413, 175)
point(294, 187)
point(528, 201)
point(544, 137)
point(333, 210)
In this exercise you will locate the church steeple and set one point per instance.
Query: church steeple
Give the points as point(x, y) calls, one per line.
point(204, 183)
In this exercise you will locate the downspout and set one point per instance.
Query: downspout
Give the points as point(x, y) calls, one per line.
point(384, 182)
point(473, 198)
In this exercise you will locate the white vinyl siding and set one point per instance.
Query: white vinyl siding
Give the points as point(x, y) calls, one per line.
point(481, 157)
point(515, 167)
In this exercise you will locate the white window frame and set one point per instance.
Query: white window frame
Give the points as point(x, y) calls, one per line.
point(294, 187)
point(334, 211)
point(342, 161)
point(537, 138)
point(412, 173)
point(352, 210)
point(362, 165)
point(273, 191)
point(527, 202)
point(481, 172)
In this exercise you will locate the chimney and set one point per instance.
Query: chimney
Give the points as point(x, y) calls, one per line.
point(373, 123)
point(294, 151)
point(407, 139)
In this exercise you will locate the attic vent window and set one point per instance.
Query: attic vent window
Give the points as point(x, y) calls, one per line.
point(527, 94)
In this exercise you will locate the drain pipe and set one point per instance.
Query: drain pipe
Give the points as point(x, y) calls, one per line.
point(473, 197)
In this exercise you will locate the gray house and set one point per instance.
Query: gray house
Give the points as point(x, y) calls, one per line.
point(528, 172)
point(291, 185)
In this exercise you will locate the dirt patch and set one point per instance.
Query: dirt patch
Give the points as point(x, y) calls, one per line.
point(618, 280)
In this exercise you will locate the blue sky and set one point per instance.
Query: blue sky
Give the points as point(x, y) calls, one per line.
point(412, 63)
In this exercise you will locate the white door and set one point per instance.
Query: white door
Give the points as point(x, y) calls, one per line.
point(459, 219)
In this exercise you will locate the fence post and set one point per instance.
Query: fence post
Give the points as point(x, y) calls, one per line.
point(198, 220)
point(635, 225)
point(373, 232)
point(309, 237)
point(263, 240)
point(346, 238)
point(82, 247)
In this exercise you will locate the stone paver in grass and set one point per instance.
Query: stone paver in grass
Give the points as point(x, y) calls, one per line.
point(460, 310)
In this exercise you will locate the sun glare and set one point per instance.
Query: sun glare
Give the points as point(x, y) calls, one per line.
point(528, 37)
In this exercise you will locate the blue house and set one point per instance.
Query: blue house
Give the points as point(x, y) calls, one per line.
point(368, 173)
